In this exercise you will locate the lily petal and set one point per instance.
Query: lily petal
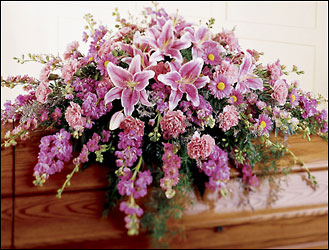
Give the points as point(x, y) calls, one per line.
point(192, 94)
point(202, 34)
point(170, 79)
point(192, 68)
point(246, 65)
point(189, 34)
point(147, 40)
point(129, 98)
point(174, 66)
point(135, 65)
point(182, 43)
point(242, 87)
point(118, 75)
point(174, 98)
point(153, 33)
point(126, 47)
point(116, 119)
point(114, 93)
point(201, 82)
point(254, 82)
point(175, 54)
point(143, 79)
point(196, 52)
point(144, 98)
point(167, 36)
point(156, 56)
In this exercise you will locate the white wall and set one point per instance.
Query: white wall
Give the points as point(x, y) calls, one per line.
point(294, 32)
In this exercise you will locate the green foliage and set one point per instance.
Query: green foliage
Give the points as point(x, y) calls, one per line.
point(210, 23)
point(89, 71)
point(187, 53)
point(159, 209)
point(112, 194)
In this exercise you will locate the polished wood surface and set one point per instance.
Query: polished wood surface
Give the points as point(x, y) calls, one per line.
point(6, 165)
point(296, 216)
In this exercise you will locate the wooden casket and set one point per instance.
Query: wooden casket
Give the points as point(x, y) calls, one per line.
point(285, 213)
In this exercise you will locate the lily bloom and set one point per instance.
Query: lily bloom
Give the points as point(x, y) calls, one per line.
point(164, 43)
point(247, 80)
point(185, 80)
point(198, 38)
point(137, 49)
point(129, 85)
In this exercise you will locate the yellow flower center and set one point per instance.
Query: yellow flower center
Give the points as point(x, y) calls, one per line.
point(131, 84)
point(106, 63)
point(90, 59)
point(221, 85)
point(262, 124)
point(293, 98)
point(234, 98)
point(211, 57)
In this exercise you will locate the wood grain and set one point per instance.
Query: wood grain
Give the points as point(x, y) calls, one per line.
point(75, 219)
point(258, 235)
point(293, 194)
point(314, 153)
point(94, 177)
point(44, 220)
point(6, 165)
point(6, 222)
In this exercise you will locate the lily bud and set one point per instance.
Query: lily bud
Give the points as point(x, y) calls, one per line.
point(116, 119)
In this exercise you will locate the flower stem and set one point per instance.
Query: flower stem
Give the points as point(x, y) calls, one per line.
point(137, 168)
point(67, 182)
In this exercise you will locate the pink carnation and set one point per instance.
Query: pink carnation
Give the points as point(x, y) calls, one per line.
point(173, 123)
point(200, 147)
point(130, 123)
point(228, 39)
point(69, 70)
point(228, 118)
point(160, 68)
point(44, 74)
point(42, 92)
point(275, 70)
point(73, 116)
point(106, 48)
point(280, 92)
point(70, 48)
point(228, 70)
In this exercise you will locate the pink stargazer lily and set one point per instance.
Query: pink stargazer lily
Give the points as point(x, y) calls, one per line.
point(185, 80)
point(137, 49)
point(164, 43)
point(129, 85)
point(247, 80)
point(198, 38)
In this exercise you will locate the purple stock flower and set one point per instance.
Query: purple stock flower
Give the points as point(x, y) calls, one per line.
point(216, 167)
point(309, 107)
point(54, 151)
